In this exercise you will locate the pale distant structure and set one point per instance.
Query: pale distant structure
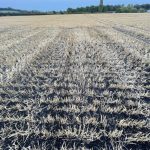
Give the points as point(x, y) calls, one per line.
point(101, 5)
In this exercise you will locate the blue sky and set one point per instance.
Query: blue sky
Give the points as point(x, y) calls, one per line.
point(46, 5)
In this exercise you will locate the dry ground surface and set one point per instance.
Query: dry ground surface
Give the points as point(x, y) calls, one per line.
point(75, 82)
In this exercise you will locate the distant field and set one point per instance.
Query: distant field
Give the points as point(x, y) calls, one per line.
point(75, 82)
point(8, 11)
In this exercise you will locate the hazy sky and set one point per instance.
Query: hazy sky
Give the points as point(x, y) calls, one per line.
point(60, 4)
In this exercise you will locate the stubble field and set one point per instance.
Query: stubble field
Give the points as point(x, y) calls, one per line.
point(75, 82)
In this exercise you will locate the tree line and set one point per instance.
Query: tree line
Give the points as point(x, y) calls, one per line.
point(111, 8)
point(17, 12)
point(89, 9)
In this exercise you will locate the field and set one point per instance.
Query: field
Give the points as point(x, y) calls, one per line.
point(75, 82)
